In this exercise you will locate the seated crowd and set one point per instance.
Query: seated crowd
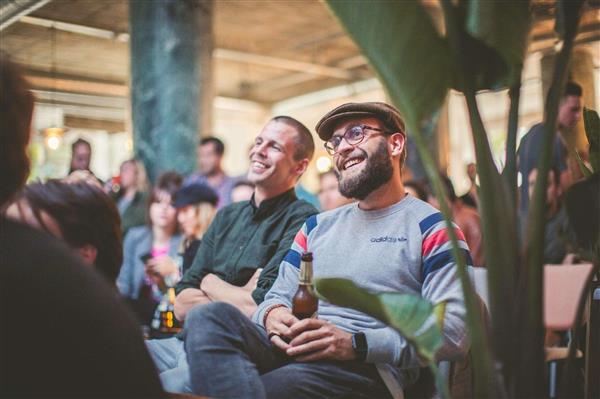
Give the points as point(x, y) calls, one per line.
point(224, 254)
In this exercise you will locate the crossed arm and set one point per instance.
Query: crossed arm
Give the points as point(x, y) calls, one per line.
point(212, 288)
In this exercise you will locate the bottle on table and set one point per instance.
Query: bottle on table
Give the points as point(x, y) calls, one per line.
point(305, 304)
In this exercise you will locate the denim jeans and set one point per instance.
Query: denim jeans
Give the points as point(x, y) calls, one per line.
point(170, 360)
point(231, 357)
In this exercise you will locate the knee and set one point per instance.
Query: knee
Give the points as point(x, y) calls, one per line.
point(164, 352)
point(176, 380)
point(211, 316)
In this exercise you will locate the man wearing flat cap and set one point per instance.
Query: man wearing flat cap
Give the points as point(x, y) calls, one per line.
point(388, 242)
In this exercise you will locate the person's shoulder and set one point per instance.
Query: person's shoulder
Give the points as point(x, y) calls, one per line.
point(26, 248)
point(338, 212)
point(422, 207)
point(28, 240)
point(138, 233)
point(533, 133)
point(233, 208)
point(423, 214)
point(303, 207)
point(140, 196)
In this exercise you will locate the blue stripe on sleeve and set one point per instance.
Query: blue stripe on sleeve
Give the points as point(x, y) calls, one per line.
point(430, 221)
point(311, 223)
point(293, 258)
point(440, 260)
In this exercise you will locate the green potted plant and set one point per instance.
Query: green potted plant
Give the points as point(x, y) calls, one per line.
point(481, 46)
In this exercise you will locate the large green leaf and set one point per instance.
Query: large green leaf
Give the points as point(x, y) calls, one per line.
point(415, 318)
point(504, 27)
point(403, 46)
point(592, 131)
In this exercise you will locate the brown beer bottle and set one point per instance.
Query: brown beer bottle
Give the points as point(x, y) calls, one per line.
point(304, 303)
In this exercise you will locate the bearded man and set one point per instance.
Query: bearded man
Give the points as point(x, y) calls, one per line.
point(388, 241)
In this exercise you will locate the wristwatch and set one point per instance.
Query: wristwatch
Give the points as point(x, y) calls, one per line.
point(359, 344)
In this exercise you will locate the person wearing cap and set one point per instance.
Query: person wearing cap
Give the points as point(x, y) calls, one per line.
point(388, 241)
point(196, 209)
point(242, 249)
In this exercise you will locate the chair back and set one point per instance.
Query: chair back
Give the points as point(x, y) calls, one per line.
point(563, 289)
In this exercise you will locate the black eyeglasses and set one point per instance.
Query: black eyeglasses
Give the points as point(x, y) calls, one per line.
point(353, 136)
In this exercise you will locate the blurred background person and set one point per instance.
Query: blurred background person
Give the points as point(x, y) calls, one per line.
point(196, 209)
point(63, 315)
point(210, 169)
point(81, 157)
point(83, 176)
point(329, 193)
point(416, 189)
point(557, 235)
point(465, 217)
point(470, 198)
point(242, 191)
point(569, 113)
point(80, 214)
point(130, 194)
point(149, 251)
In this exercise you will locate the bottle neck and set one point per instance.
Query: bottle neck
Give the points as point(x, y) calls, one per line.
point(305, 273)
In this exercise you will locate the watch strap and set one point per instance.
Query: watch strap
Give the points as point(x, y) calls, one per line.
point(359, 344)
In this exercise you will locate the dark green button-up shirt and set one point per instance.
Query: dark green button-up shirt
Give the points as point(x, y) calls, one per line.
point(243, 238)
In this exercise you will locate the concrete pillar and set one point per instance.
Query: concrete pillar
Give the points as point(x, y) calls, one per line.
point(171, 81)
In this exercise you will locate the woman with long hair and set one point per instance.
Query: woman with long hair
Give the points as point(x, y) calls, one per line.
point(149, 250)
point(130, 194)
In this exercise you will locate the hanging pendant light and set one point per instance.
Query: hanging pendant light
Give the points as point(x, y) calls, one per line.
point(55, 131)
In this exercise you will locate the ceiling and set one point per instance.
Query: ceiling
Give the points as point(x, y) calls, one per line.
point(265, 50)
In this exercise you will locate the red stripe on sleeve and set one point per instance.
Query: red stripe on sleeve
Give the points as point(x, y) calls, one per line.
point(300, 240)
point(439, 238)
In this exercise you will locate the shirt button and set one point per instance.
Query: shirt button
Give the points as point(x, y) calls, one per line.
point(241, 248)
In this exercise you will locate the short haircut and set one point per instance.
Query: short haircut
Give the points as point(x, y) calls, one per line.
point(79, 142)
point(85, 215)
point(305, 145)
point(219, 146)
point(168, 181)
point(573, 89)
point(16, 108)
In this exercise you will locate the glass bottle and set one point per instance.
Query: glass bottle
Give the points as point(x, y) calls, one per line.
point(305, 304)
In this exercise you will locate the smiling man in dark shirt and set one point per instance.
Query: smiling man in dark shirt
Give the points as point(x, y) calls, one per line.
point(240, 254)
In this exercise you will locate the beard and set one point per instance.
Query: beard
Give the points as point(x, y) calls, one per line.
point(377, 171)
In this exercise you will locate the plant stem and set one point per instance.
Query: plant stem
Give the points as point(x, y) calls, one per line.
point(498, 222)
point(480, 349)
point(510, 170)
point(536, 222)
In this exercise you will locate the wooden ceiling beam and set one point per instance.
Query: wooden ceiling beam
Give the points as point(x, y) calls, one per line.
point(13, 11)
point(219, 53)
point(75, 122)
point(77, 86)
point(283, 63)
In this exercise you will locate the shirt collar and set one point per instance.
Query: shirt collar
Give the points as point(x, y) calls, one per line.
point(269, 206)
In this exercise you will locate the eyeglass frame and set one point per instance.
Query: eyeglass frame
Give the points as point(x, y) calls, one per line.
point(343, 137)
